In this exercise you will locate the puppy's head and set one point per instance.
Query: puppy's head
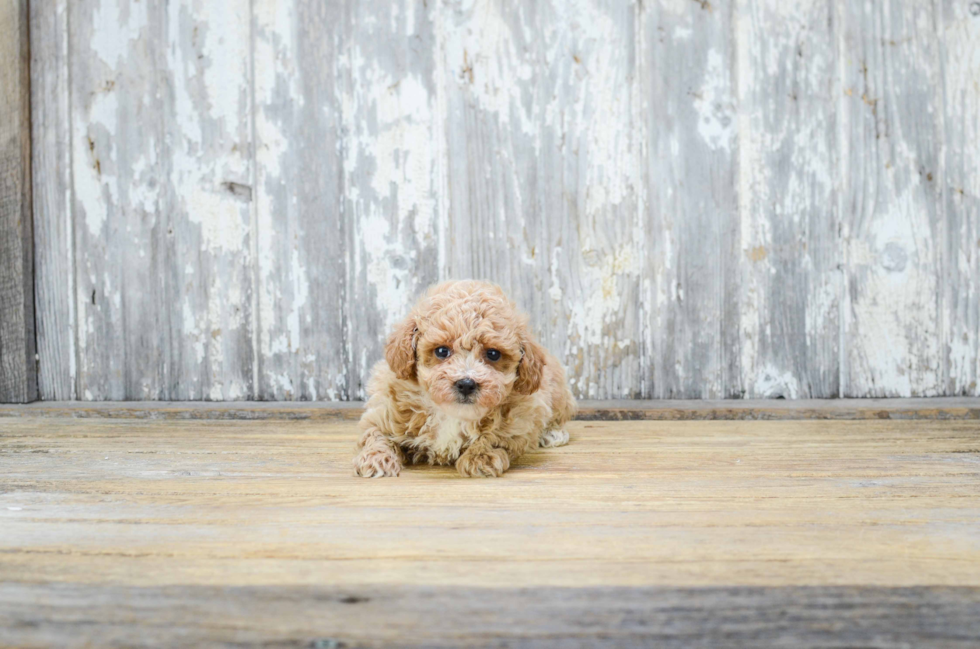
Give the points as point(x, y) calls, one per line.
point(467, 345)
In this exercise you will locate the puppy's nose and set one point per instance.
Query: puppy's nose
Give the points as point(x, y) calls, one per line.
point(466, 387)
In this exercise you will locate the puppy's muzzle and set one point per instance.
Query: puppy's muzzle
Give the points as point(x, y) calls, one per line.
point(465, 388)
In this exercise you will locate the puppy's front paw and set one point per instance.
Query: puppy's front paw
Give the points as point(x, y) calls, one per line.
point(374, 463)
point(483, 464)
point(552, 438)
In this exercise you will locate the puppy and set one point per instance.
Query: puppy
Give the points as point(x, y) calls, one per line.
point(464, 383)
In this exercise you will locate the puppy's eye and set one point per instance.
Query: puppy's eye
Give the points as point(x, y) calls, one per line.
point(443, 352)
point(493, 355)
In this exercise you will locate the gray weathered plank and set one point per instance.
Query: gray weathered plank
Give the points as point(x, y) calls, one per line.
point(79, 615)
point(787, 150)
point(543, 162)
point(392, 184)
point(690, 279)
point(160, 102)
point(299, 240)
point(892, 209)
point(120, 210)
point(54, 251)
point(208, 158)
point(18, 370)
point(961, 254)
point(496, 227)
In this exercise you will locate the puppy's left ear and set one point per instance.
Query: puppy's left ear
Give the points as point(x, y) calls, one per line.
point(400, 350)
point(531, 367)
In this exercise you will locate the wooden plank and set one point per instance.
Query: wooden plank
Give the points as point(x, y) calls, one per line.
point(692, 504)
point(544, 184)
point(389, 616)
point(693, 316)
point(961, 253)
point(787, 160)
point(946, 408)
point(54, 251)
point(299, 244)
point(208, 157)
point(18, 369)
point(892, 211)
point(393, 190)
point(122, 218)
point(160, 163)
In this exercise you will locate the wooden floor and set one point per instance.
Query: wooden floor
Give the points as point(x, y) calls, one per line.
point(117, 532)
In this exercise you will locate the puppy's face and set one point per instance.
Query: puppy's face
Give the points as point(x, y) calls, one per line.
point(467, 373)
point(468, 347)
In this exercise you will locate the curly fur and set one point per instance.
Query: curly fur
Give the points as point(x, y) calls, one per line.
point(416, 414)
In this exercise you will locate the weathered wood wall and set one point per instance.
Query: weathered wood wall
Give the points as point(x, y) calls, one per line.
point(693, 198)
point(18, 373)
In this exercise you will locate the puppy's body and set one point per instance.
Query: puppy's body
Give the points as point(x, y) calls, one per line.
point(495, 395)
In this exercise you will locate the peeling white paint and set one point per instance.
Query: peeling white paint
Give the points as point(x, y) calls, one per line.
point(555, 267)
point(602, 306)
point(682, 32)
point(192, 329)
point(771, 383)
point(301, 292)
point(489, 64)
point(390, 171)
point(550, 108)
point(116, 26)
point(714, 104)
point(95, 181)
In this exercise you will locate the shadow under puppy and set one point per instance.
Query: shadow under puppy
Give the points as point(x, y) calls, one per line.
point(464, 383)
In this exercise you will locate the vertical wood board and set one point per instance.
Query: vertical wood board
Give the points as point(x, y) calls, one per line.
point(18, 370)
point(892, 172)
point(299, 243)
point(690, 278)
point(543, 160)
point(392, 174)
point(54, 251)
point(790, 279)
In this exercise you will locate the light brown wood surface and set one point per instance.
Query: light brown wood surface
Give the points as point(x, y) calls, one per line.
point(135, 502)
point(118, 532)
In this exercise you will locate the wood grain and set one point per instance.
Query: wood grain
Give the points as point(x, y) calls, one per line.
point(300, 249)
point(544, 185)
point(54, 250)
point(255, 531)
point(161, 150)
point(936, 408)
point(123, 221)
point(960, 30)
point(405, 616)
point(787, 191)
point(150, 503)
point(207, 151)
point(892, 176)
point(690, 199)
point(18, 369)
point(392, 166)
point(691, 228)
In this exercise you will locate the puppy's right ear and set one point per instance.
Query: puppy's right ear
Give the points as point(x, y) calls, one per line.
point(400, 350)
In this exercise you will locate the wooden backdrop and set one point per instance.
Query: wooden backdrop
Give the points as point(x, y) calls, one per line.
point(693, 198)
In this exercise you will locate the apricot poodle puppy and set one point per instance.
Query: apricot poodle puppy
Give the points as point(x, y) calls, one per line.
point(464, 383)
